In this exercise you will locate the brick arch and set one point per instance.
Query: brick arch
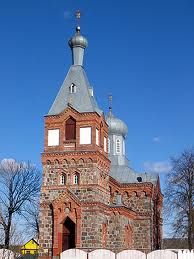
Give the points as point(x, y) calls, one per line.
point(56, 162)
point(143, 194)
point(66, 205)
point(126, 194)
point(48, 162)
point(65, 162)
point(90, 161)
point(76, 178)
point(81, 161)
point(73, 162)
point(134, 194)
point(115, 196)
point(70, 215)
point(60, 174)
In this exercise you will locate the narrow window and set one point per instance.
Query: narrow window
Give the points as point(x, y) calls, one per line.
point(72, 88)
point(63, 179)
point(70, 129)
point(118, 146)
point(105, 144)
point(97, 137)
point(48, 163)
point(76, 178)
point(108, 145)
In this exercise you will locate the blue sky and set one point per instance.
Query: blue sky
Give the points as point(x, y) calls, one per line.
point(139, 51)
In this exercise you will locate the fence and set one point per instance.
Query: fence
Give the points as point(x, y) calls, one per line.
point(126, 254)
point(27, 256)
point(107, 254)
point(7, 254)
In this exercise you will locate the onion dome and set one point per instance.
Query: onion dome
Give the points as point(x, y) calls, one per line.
point(116, 126)
point(78, 40)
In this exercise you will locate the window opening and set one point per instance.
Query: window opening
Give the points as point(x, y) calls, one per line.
point(63, 179)
point(72, 88)
point(118, 146)
point(108, 145)
point(70, 129)
point(76, 179)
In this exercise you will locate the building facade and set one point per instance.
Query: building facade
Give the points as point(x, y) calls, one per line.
point(30, 247)
point(90, 197)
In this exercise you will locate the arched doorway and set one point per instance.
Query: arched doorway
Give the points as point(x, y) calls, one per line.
point(68, 235)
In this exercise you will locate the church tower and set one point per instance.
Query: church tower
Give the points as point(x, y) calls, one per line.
point(90, 197)
point(75, 164)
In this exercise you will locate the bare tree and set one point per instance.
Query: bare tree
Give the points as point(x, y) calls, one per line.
point(31, 215)
point(179, 196)
point(19, 186)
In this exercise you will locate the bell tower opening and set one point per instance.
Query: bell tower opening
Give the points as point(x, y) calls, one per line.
point(70, 129)
point(68, 237)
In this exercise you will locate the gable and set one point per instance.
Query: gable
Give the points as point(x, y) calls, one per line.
point(81, 99)
point(31, 245)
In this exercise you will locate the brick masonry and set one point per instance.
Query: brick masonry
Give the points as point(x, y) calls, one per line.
point(91, 204)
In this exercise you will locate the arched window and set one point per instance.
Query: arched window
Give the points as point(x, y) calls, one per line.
point(70, 129)
point(108, 145)
point(63, 179)
point(56, 162)
point(65, 163)
point(118, 146)
point(72, 88)
point(48, 163)
point(81, 161)
point(73, 162)
point(76, 178)
point(118, 199)
point(90, 161)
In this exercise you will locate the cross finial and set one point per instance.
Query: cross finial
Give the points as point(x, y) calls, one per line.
point(78, 15)
point(110, 102)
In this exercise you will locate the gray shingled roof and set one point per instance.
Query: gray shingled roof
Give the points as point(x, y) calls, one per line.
point(125, 174)
point(82, 100)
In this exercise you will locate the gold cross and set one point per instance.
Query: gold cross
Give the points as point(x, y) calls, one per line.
point(78, 15)
point(110, 102)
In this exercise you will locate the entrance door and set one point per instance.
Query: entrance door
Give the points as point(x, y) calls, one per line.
point(68, 234)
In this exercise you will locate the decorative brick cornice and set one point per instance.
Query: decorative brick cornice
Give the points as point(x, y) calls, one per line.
point(124, 185)
point(73, 153)
point(121, 209)
point(71, 109)
point(130, 213)
point(62, 187)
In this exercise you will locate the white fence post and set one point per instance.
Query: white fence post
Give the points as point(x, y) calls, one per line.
point(185, 254)
point(73, 254)
point(130, 254)
point(6, 254)
point(162, 254)
point(101, 254)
